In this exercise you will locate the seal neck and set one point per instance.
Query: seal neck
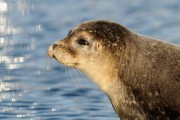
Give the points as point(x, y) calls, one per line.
point(120, 91)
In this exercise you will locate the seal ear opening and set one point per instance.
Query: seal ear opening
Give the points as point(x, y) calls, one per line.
point(98, 46)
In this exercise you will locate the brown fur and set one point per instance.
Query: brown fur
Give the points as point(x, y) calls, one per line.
point(140, 75)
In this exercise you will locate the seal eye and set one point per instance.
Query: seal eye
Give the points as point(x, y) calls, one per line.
point(82, 42)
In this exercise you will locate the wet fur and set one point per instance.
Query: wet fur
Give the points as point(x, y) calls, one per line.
point(152, 73)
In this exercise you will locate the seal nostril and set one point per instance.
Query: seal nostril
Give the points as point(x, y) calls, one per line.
point(54, 46)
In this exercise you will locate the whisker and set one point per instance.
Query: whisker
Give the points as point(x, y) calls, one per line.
point(71, 74)
point(49, 65)
point(65, 67)
point(83, 77)
point(77, 80)
point(44, 51)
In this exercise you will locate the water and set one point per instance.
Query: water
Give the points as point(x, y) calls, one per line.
point(35, 87)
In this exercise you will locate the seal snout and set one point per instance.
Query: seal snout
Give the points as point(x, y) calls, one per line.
point(51, 48)
point(54, 46)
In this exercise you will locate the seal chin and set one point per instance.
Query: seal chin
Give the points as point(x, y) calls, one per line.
point(74, 65)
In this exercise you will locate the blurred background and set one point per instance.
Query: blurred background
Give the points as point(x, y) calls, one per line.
point(35, 87)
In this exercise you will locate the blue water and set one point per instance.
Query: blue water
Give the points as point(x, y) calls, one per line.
point(35, 87)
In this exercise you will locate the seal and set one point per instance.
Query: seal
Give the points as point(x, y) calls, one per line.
point(140, 75)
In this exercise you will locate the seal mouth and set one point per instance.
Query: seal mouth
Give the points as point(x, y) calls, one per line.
point(53, 56)
point(67, 64)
